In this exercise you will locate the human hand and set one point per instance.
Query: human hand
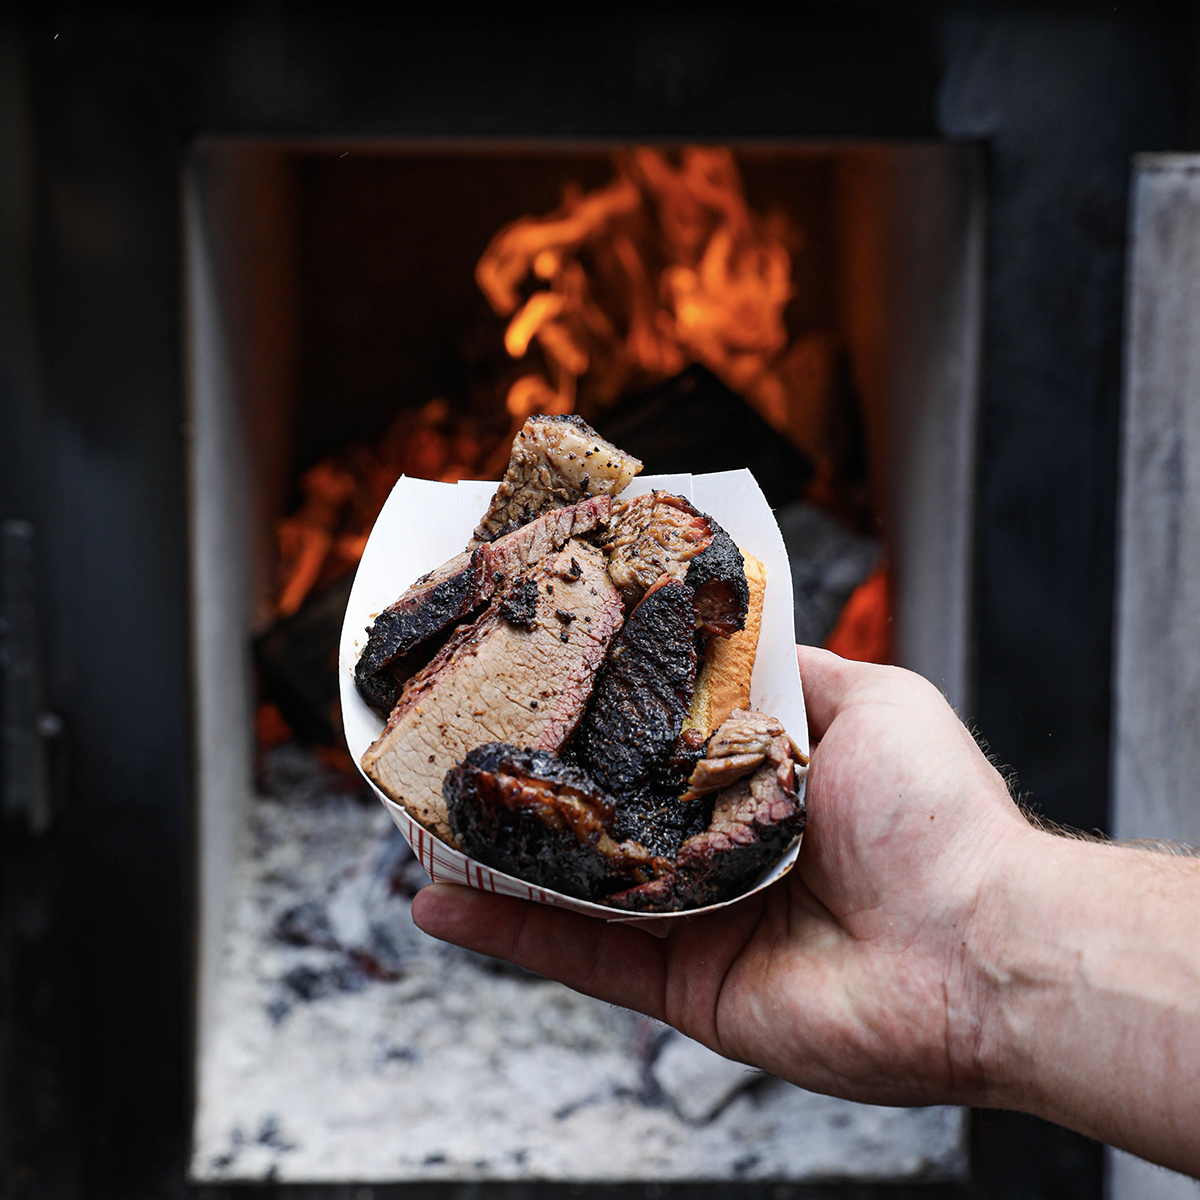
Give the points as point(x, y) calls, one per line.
point(853, 975)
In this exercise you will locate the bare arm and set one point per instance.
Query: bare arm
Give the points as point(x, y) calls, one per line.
point(929, 947)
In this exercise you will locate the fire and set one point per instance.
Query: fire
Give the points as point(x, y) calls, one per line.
point(324, 538)
point(863, 631)
point(627, 285)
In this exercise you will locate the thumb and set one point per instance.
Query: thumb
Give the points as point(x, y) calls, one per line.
point(827, 681)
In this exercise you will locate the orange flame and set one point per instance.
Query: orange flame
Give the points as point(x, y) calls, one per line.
point(626, 285)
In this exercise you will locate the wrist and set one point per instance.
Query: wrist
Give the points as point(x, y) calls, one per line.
point(1088, 979)
point(1017, 964)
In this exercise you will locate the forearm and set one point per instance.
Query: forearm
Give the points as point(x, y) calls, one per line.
point(1088, 966)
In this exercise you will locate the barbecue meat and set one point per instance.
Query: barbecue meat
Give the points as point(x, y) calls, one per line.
point(515, 552)
point(753, 822)
point(660, 819)
point(641, 698)
point(405, 636)
point(734, 751)
point(650, 535)
point(659, 533)
point(419, 619)
point(496, 681)
point(529, 814)
point(718, 577)
point(555, 461)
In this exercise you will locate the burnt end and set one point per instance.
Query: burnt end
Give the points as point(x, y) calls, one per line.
point(519, 607)
point(531, 815)
point(422, 617)
point(718, 577)
point(656, 896)
point(660, 820)
point(753, 823)
point(641, 698)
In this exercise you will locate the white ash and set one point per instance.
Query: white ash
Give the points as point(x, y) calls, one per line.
point(349, 1046)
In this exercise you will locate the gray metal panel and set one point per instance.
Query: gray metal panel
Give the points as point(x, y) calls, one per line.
point(913, 311)
point(1157, 620)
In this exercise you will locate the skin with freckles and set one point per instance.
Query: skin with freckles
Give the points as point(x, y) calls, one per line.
point(929, 946)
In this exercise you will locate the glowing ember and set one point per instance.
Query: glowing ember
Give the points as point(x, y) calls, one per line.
point(864, 629)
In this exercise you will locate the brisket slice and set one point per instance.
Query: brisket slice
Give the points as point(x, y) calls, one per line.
point(632, 725)
point(718, 577)
point(419, 619)
point(529, 814)
point(734, 750)
point(659, 533)
point(496, 681)
point(555, 461)
point(753, 822)
point(405, 636)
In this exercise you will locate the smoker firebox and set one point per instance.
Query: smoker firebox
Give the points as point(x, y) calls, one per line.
point(328, 286)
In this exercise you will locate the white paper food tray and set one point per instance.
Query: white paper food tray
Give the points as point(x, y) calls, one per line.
point(425, 523)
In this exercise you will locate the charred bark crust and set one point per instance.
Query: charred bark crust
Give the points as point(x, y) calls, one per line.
point(753, 822)
point(420, 619)
point(717, 575)
point(533, 816)
point(633, 721)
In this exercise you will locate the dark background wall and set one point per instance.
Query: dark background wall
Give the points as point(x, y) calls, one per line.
point(96, 110)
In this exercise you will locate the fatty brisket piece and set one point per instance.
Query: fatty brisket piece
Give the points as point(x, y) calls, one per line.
point(660, 533)
point(404, 636)
point(753, 823)
point(733, 751)
point(556, 461)
point(650, 535)
point(496, 681)
point(718, 577)
point(641, 698)
point(529, 814)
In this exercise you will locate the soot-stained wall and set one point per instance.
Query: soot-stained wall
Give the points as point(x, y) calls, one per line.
point(98, 110)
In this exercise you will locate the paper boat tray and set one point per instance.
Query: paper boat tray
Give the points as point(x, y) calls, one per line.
point(425, 523)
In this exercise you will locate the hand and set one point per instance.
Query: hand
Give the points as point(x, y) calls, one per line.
point(854, 974)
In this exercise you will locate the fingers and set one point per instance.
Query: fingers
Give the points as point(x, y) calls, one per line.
point(827, 680)
point(612, 962)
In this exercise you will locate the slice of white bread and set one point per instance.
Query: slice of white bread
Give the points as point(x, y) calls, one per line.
point(723, 681)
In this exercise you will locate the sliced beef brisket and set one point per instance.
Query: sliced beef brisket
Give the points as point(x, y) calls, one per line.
point(641, 698)
point(556, 461)
point(404, 637)
point(497, 681)
point(718, 577)
point(528, 813)
point(419, 619)
point(651, 535)
point(659, 533)
point(753, 822)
